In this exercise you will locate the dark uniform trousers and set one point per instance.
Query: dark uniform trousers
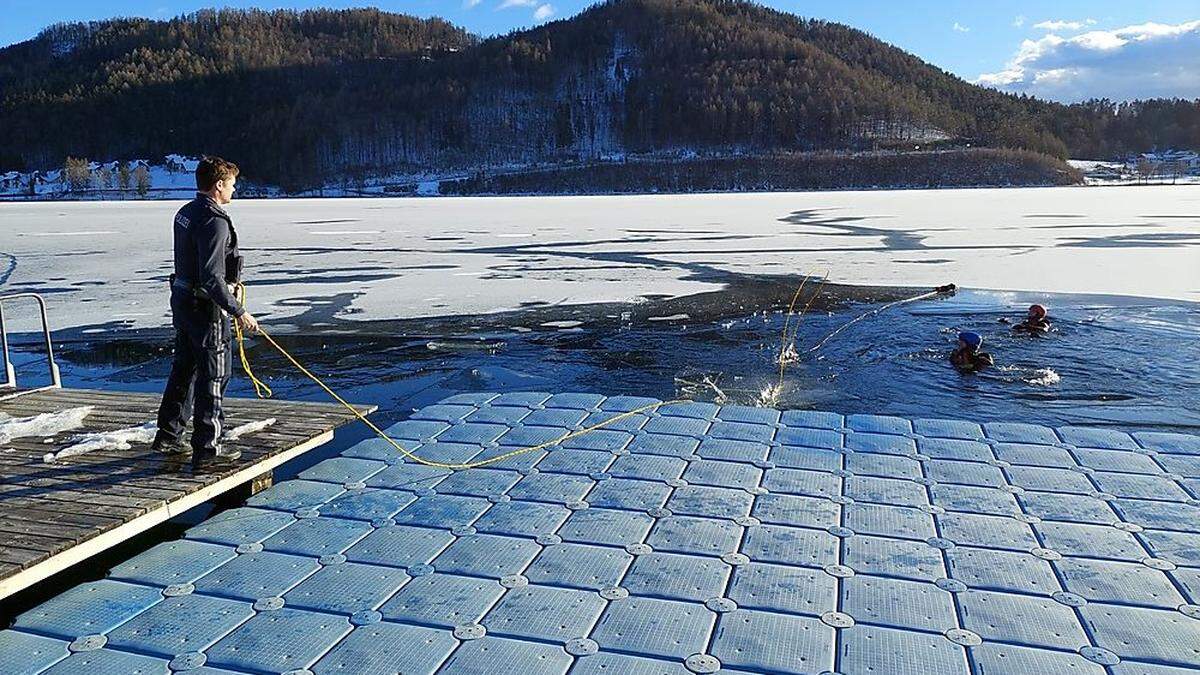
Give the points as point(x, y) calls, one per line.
point(199, 373)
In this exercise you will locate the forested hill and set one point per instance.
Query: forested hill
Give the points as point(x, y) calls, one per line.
point(300, 97)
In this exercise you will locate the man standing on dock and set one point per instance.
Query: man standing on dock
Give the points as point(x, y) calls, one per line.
point(207, 271)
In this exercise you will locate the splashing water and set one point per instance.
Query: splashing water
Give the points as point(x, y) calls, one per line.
point(1044, 377)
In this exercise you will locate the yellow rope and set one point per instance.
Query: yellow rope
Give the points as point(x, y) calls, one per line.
point(261, 389)
point(784, 340)
point(409, 453)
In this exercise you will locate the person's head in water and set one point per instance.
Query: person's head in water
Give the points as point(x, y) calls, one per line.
point(970, 341)
point(217, 178)
point(1037, 313)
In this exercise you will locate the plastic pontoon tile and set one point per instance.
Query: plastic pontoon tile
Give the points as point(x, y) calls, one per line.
point(608, 663)
point(579, 566)
point(528, 519)
point(487, 555)
point(693, 409)
point(700, 536)
point(90, 608)
point(600, 439)
point(777, 588)
point(1118, 582)
point(257, 575)
point(388, 648)
point(627, 403)
point(241, 526)
point(796, 511)
point(812, 418)
point(748, 414)
point(376, 448)
point(527, 399)
point(563, 418)
point(1136, 486)
point(1159, 515)
point(506, 415)
point(1189, 579)
point(1074, 508)
point(575, 400)
point(503, 457)
point(1184, 465)
point(765, 641)
point(481, 657)
point(804, 437)
point(663, 444)
point(882, 443)
point(1182, 444)
point(478, 482)
point(557, 488)
point(1034, 455)
point(188, 623)
point(279, 640)
point(445, 511)
point(722, 474)
point(444, 412)
point(731, 450)
point(442, 600)
point(742, 431)
point(794, 457)
point(1165, 636)
point(893, 557)
point(606, 526)
point(617, 421)
point(316, 537)
point(886, 520)
point(343, 470)
point(1088, 437)
point(346, 588)
point(626, 493)
point(803, 482)
point(295, 494)
point(1050, 479)
point(526, 436)
point(988, 531)
point(898, 602)
point(791, 545)
point(948, 448)
point(677, 426)
point(108, 661)
point(1002, 570)
point(1093, 541)
point(940, 428)
point(1027, 620)
point(1117, 460)
point(873, 649)
point(648, 467)
point(714, 502)
point(884, 466)
point(26, 654)
point(444, 452)
point(975, 499)
point(880, 424)
point(997, 659)
point(964, 473)
point(416, 430)
point(1134, 668)
point(173, 562)
point(400, 546)
point(890, 491)
point(367, 503)
point(1019, 432)
point(650, 626)
point(408, 476)
point(1181, 548)
point(680, 577)
point(581, 462)
point(544, 613)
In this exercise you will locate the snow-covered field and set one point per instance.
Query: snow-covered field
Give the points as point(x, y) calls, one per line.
point(106, 262)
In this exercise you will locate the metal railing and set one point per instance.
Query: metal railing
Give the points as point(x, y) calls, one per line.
point(10, 373)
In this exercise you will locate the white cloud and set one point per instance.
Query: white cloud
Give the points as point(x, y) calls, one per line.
point(1060, 24)
point(959, 28)
point(1148, 60)
point(543, 12)
point(509, 4)
point(1019, 20)
point(471, 4)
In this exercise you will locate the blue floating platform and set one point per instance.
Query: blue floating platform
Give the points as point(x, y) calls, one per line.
point(692, 538)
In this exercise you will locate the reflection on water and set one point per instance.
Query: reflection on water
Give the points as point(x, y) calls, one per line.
point(1116, 361)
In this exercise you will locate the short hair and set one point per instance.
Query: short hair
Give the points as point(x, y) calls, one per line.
point(210, 170)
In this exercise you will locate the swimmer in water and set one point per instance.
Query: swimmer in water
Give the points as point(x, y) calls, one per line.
point(968, 358)
point(1035, 323)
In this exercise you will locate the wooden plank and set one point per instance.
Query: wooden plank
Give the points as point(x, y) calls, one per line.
point(75, 533)
point(43, 518)
point(35, 542)
point(21, 557)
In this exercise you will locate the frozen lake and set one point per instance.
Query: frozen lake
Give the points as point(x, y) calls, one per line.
point(105, 263)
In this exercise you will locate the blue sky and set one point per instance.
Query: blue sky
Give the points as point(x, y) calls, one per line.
point(1065, 50)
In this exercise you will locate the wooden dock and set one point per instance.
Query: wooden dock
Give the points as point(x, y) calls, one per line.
point(54, 515)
